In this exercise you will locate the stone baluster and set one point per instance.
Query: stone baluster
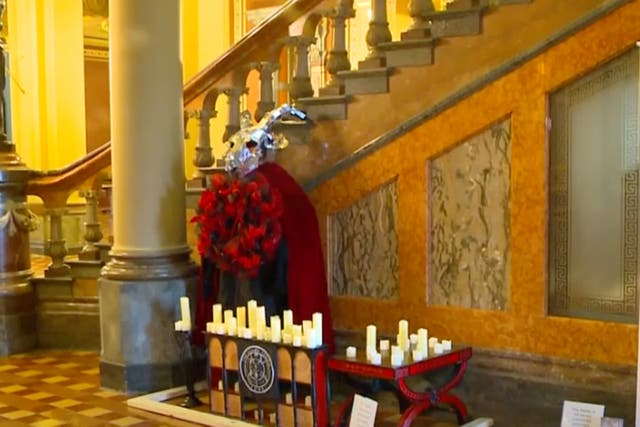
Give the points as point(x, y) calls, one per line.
point(56, 247)
point(92, 231)
point(203, 157)
point(338, 58)
point(233, 99)
point(378, 33)
point(420, 28)
point(267, 100)
point(301, 87)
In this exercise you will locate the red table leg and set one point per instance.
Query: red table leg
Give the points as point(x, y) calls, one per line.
point(424, 400)
point(342, 413)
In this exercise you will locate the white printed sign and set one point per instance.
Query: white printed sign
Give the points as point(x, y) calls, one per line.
point(579, 414)
point(363, 412)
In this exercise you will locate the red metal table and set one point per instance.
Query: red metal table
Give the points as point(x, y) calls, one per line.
point(419, 401)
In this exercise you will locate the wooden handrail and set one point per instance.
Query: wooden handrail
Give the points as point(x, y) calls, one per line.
point(55, 186)
point(58, 184)
point(253, 46)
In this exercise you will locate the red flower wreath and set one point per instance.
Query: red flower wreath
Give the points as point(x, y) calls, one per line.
point(239, 223)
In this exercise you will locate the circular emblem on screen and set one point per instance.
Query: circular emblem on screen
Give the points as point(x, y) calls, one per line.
point(256, 369)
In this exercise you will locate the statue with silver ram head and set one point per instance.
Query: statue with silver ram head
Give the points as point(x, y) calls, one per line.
point(295, 278)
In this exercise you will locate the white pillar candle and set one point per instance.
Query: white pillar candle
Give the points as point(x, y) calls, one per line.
point(446, 345)
point(252, 307)
point(210, 327)
point(297, 341)
point(403, 335)
point(395, 349)
point(317, 325)
point(413, 339)
point(232, 327)
point(261, 322)
point(422, 342)
point(376, 358)
point(307, 326)
point(432, 342)
point(186, 313)
point(236, 387)
point(437, 349)
point(220, 329)
point(371, 341)
point(396, 359)
point(288, 399)
point(178, 326)
point(217, 313)
point(241, 315)
point(307, 401)
point(296, 331)
point(351, 352)
point(416, 355)
point(287, 320)
point(287, 338)
point(247, 333)
point(384, 345)
point(228, 315)
point(220, 386)
point(276, 332)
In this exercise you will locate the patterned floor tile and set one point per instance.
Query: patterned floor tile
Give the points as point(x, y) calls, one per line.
point(81, 386)
point(12, 389)
point(55, 380)
point(14, 415)
point(65, 403)
point(48, 423)
point(126, 421)
point(4, 368)
point(38, 396)
point(28, 373)
point(94, 412)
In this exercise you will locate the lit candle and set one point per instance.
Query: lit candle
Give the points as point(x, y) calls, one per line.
point(276, 332)
point(261, 322)
point(417, 355)
point(403, 335)
point(232, 327)
point(396, 359)
point(371, 341)
point(252, 307)
point(422, 342)
point(317, 325)
point(432, 342)
point(287, 320)
point(241, 315)
point(351, 352)
point(384, 345)
point(228, 315)
point(297, 340)
point(178, 326)
point(288, 399)
point(217, 313)
point(307, 326)
point(287, 338)
point(296, 331)
point(186, 313)
point(437, 349)
point(307, 401)
point(446, 345)
point(220, 386)
point(209, 327)
point(376, 358)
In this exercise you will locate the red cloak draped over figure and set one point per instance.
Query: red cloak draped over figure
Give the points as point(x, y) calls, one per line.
point(307, 291)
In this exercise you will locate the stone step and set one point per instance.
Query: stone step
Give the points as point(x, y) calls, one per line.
point(325, 107)
point(68, 323)
point(407, 53)
point(456, 22)
point(365, 81)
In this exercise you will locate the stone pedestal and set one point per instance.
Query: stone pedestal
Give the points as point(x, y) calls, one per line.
point(17, 305)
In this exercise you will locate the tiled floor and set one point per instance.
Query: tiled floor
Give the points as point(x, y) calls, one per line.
point(47, 389)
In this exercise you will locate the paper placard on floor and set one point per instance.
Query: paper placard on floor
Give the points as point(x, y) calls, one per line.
point(612, 422)
point(363, 412)
point(580, 414)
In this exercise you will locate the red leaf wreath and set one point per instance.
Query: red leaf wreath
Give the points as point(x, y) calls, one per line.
point(239, 223)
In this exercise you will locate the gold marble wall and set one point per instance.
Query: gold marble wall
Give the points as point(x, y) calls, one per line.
point(521, 95)
point(469, 222)
point(363, 246)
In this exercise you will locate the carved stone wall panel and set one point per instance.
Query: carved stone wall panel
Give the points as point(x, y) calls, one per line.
point(363, 246)
point(469, 257)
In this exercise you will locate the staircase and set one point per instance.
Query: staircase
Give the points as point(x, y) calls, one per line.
point(443, 57)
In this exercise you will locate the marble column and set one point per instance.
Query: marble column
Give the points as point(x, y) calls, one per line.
point(150, 268)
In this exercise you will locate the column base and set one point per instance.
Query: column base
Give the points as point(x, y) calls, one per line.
point(17, 318)
point(139, 303)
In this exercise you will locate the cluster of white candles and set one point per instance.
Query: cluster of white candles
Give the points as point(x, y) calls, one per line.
point(417, 345)
point(250, 322)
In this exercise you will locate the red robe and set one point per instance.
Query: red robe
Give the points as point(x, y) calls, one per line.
point(307, 291)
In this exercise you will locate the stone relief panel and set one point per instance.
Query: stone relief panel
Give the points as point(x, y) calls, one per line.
point(469, 260)
point(363, 246)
